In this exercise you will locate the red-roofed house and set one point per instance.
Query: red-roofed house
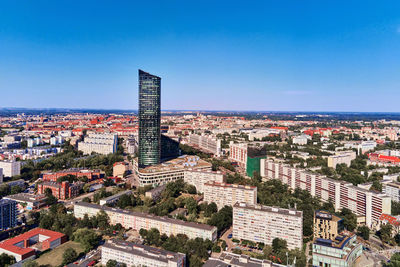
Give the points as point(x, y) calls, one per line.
point(24, 246)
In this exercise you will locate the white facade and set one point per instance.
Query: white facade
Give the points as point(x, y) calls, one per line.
point(392, 190)
point(259, 223)
point(224, 194)
point(301, 140)
point(198, 178)
point(238, 153)
point(139, 220)
point(99, 143)
point(342, 194)
point(133, 254)
point(206, 142)
point(10, 168)
point(341, 158)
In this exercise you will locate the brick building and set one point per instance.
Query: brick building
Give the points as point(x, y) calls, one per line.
point(63, 190)
point(90, 174)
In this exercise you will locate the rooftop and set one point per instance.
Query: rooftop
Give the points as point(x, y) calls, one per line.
point(180, 163)
point(239, 186)
point(144, 251)
point(149, 216)
point(290, 212)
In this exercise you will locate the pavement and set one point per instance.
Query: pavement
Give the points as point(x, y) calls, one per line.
point(229, 243)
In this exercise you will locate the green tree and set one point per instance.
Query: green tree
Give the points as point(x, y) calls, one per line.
point(279, 245)
point(363, 231)
point(349, 219)
point(69, 255)
point(88, 238)
point(111, 263)
point(210, 209)
point(191, 205)
point(385, 233)
point(6, 260)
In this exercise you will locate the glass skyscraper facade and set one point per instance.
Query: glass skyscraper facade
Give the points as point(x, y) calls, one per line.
point(149, 119)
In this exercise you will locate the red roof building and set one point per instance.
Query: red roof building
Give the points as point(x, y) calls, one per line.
point(41, 239)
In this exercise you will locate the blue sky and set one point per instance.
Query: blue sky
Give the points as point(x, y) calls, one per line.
point(212, 55)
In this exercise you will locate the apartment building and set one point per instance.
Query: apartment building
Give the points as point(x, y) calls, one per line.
point(341, 158)
point(8, 213)
point(238, 153)
point(90, 174)
point(228, 194)
point(139, 220)
point(134, 254)
point(301, 140)
point(99, 143)
point(198, 178)
point(260, 223)
point(392, 189)
point(207, 143)
point(10, 168)
point(63, 190)
point(362, 202)
point(169, 171)
point(327, 225)
point(227, 259)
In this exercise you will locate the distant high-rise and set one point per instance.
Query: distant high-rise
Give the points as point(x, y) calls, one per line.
point(149, 119)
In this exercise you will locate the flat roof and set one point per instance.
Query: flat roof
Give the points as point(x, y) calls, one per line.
point(180, 163)
point(290, 212)
point(144, 251)
point(10, 244)
point(148, 216)
point(238, 186)
point(26, 197)
point(227, 259)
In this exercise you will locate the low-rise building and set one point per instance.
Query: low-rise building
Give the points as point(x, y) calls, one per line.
point(260, 223)
point(90, 174)
point(156, 193)
point(140, 220)
point(224, 194)
point(119, 169)
point(63, 190)
point(133, 254)
point(29, 201)
point(24, 246)
point(114, 198)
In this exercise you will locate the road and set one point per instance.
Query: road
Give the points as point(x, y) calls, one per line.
point(93, 255)
point(229, 243)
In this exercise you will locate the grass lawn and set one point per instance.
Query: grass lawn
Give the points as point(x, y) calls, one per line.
point(55, 257)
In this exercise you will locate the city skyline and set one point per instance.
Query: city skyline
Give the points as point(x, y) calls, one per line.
point(333, 57)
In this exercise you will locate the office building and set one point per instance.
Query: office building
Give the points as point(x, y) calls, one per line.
point(360, 201)
point(224, 194)
point(343, 251)
point(99, 143)
point(199, 177)
point(10, 168)
point(140, 220)
point(260, 223)
point(327, 225)
point(8, 213)
point(24, 246)
point(149, 119)
point(133, 254)
point(169, 171)
point(207, 143)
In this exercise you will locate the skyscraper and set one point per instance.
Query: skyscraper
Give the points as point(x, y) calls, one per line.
point(149, 119)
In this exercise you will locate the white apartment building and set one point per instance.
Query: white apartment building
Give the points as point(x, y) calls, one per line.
point(341, 157)
point(238, 153)
point(366, 146)
point(206, 142)
point(11, 168)
point(260, 223)
point(56, 140)
point(198, 178)
point(140, 220)
point(362, 202)
point(392, 189)
point(133, 254)
point(224, 194)
point(99, 143)
point(301, 139)
point(169, 171)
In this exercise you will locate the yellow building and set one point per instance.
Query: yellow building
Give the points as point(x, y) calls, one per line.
point(327, 225)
